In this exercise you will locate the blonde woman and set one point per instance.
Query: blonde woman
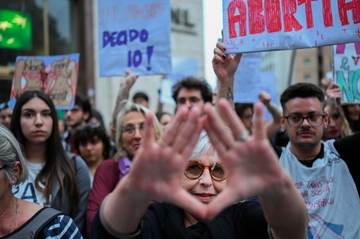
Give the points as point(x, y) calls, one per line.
point(128, 139)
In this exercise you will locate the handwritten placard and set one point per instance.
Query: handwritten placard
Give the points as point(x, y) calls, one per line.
point(134, 35)
point(262, 25)
point(268, 84)
point(247, 84)
point(55, 75)
point(347, 71)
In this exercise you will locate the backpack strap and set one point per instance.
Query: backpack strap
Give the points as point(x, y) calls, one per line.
point(34, 226)
point(47, 215)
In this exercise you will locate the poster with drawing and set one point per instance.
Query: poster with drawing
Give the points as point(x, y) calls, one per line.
point(134, 35)
point(347, 71)
point(55, 75)
point(263, 25)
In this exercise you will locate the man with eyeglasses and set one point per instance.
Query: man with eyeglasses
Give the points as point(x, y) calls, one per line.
point(191, 91)
point(77, 116)
point(326, 173)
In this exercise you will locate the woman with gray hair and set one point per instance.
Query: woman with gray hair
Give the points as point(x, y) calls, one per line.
point(19, 218)
point(209, 182)
point(130, 124)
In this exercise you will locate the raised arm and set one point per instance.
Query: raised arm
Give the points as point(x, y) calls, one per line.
point(225, 66)
point(125, 85)
point(274, 125)
point(156, 174)
point(253, 170)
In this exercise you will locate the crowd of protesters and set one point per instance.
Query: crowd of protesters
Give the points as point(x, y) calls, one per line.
point(183, 174)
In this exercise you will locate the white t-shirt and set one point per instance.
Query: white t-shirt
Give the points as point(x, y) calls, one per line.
point(27, 190)
point(329, 192)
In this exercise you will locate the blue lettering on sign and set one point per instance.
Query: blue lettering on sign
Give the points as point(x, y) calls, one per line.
point(121, 38)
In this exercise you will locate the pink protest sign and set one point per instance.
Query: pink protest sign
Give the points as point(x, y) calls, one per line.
point(347, 71)
point(263, 25)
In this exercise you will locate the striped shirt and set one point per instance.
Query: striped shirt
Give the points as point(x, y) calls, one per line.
point(61, 227)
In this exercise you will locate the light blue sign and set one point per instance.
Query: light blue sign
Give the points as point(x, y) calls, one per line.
point(181, 67)
point(134, 35)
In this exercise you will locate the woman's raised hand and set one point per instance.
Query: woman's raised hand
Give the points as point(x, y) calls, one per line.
point(250, 162)
point(158, 167)
point(224, 65)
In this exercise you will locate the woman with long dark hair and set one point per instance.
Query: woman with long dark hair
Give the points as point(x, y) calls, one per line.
point(56, 179)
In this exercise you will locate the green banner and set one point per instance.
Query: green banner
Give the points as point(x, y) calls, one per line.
point(15, 30)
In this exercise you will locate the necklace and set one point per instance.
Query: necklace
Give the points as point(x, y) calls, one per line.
point(15, 217)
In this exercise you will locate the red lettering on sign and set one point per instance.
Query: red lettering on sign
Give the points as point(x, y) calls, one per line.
point(272, 16)
point(309, 12)
point(289, 9)
point(344, 6)
point(241, 18)
point(340, 49)
point(327, 13)
point(256, 20)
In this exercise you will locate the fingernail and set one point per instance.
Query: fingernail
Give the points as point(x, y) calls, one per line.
point(224, 48)
point(224, 56)
point(223, 62)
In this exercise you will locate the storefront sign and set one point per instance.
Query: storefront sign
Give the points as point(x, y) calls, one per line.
point(15, 30)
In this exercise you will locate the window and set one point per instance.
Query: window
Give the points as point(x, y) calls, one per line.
point(59, 33)
point(307, 61)
point(307, 77)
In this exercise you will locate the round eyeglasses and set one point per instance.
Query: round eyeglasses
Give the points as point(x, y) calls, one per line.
point(194, 170)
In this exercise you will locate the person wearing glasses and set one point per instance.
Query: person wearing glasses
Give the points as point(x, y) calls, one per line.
point(93, 143)
point(56, 179)
point(199, 181)
point(130, 125)
point(326, 173)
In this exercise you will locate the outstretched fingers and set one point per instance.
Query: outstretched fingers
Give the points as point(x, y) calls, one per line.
point(232, 118)
point(188, 133)
point(169, 135)
point(149, 134)
point(259, 129)
point(219, 135)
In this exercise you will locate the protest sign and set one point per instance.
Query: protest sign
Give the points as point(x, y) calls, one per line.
point(55, 75)
point(250, 81)
point(268, 84)
point(262, 25)
point(134, 35)
point(181, 67)
point(347, 71)
point(247, 84)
